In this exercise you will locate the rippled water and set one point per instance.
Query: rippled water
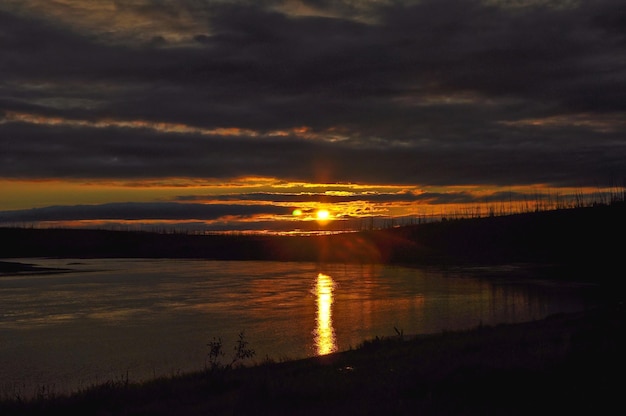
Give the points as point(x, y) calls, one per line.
point(109, 319)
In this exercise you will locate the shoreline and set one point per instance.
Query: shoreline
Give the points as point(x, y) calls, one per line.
point(575, 237)
point(17, 268)
point(562, 362)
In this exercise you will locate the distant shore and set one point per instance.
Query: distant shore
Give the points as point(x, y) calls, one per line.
point(572, 242)
point(12, 267)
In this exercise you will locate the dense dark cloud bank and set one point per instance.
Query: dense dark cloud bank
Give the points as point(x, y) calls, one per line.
point(427, 93)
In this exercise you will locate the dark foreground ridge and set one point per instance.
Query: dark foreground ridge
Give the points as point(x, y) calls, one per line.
point(564, 364)
point(589, 238)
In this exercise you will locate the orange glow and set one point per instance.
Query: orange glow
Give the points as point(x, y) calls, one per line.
point(304, 132)
point(323, 215)
point(324, 332)
point(335, 207)
point(603, 123)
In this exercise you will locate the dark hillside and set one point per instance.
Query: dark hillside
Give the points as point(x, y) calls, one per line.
point(102, 243)
point(592, 238)
point(594, 234)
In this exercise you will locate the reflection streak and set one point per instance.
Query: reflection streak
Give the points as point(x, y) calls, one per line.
point(324, 333)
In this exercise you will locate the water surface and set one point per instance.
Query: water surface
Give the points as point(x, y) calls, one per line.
point(112, 319)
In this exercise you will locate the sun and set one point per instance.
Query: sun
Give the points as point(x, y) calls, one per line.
point(323, 214)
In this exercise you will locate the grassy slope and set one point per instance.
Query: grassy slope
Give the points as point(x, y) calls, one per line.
point(559, 365)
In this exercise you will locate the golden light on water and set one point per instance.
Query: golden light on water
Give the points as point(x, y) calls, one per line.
point(324, 333)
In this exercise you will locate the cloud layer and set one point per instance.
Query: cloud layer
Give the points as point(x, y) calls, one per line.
point(425, 93)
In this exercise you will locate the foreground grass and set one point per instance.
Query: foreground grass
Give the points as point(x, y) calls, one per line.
point(565, 363)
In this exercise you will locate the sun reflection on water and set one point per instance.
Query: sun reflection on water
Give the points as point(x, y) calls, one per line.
point(324, 333)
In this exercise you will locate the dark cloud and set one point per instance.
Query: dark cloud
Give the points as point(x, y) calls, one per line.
point(419, 93)
point(371, 197)
point(35, 151)
point(377, 198)
point(139, 211)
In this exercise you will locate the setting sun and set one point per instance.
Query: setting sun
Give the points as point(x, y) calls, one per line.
point(323, 214)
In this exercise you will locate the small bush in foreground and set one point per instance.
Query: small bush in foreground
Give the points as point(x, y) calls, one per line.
point(216, 353)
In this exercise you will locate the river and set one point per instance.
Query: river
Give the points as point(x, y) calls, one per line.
point(135, 319)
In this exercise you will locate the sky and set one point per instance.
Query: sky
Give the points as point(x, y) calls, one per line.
point(237, 115)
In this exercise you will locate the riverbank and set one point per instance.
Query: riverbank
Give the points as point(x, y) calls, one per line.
point(564, 363)
point(13, 267)
point(575, 235)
